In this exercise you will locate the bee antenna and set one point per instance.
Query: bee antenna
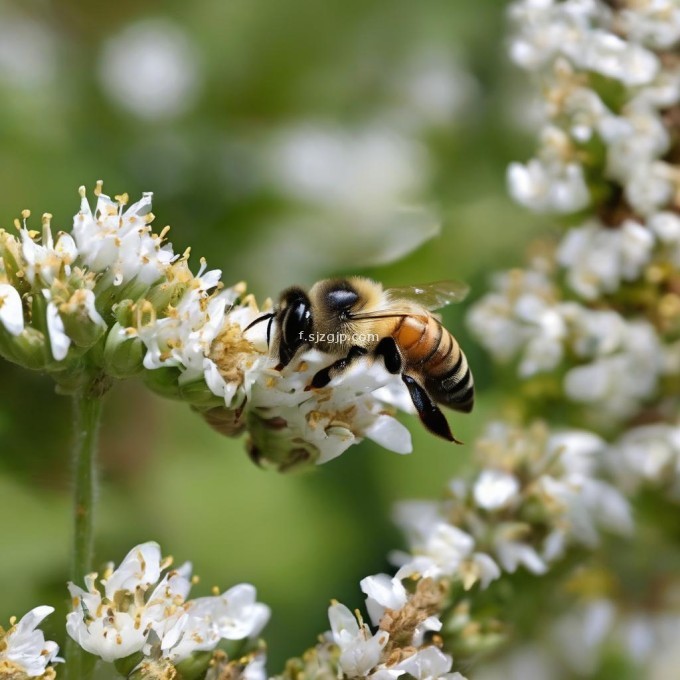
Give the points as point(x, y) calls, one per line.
point(269, 329)
point(260, 319)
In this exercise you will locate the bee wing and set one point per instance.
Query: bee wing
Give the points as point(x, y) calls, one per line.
point(432, 295)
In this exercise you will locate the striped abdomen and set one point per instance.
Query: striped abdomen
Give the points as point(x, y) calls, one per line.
point(430, 352)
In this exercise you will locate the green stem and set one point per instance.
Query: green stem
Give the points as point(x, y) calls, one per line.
point(88, 408)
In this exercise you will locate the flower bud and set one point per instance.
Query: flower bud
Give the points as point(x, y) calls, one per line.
point(164, 381)
point(27, 349)
point(128, 664)
point(194, 666)
point(123, 352)
point(272, 444)
point(82, 322)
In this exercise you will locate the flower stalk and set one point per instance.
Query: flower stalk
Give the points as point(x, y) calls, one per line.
point(87, 415)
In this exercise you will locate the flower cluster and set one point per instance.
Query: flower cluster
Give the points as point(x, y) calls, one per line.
point(24, 652)
point(592, 325)
point(146, 620)
point(405, 642)
point(111, 299)
point(600, 356)
point(591, 631)
point(611, 79)
point(648, 455)
point(537, 494)
point(608, 155)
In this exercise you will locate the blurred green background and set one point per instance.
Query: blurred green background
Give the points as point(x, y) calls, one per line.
point(278, 138)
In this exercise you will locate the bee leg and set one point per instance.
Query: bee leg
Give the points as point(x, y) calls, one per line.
point(430, 414)
point(324, 376)
point(388, 350)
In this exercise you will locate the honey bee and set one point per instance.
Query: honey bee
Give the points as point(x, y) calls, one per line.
point(355, 316)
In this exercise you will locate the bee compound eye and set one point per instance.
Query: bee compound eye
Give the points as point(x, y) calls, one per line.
point(296, 323)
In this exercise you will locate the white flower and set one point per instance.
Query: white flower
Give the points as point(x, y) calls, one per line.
point(621, 381)
point(666, 227)
point(361, 171)
point(655, 23)
point(597, 259)
point(571, 489)
point(11, 310)
point(648, 454)
point(635, 139)
point(235, 615)
point(151, 69)
point(199, 625)
point(542, 187)
point(429, 663)
point(651, 187)
point(183, 338)
point(118, 622)
point(547, 29)
point(614, 57)
point(119, 242)
point(44, 263)
point(338, 416)
point(255, 669)
point(593, 333)
point(495, 489)
point(435, 89)
point(59, 341)
point(578, 453)
point(440, 549)
point(580, 634)
point(106, 629)
point(444, 545)
point(360, 651)
point(140, 567)
point(24, 648)
point(511, 554)
point(382, 592)
point(521, 317)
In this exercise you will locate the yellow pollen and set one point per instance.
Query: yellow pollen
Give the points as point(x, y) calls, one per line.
point(26, 213)
point(82, 191)
point(98, 187)
point(122, 198)
point(12, 620)
point(215, 590)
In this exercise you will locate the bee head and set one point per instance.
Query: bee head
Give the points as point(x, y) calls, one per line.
point(294, 320)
